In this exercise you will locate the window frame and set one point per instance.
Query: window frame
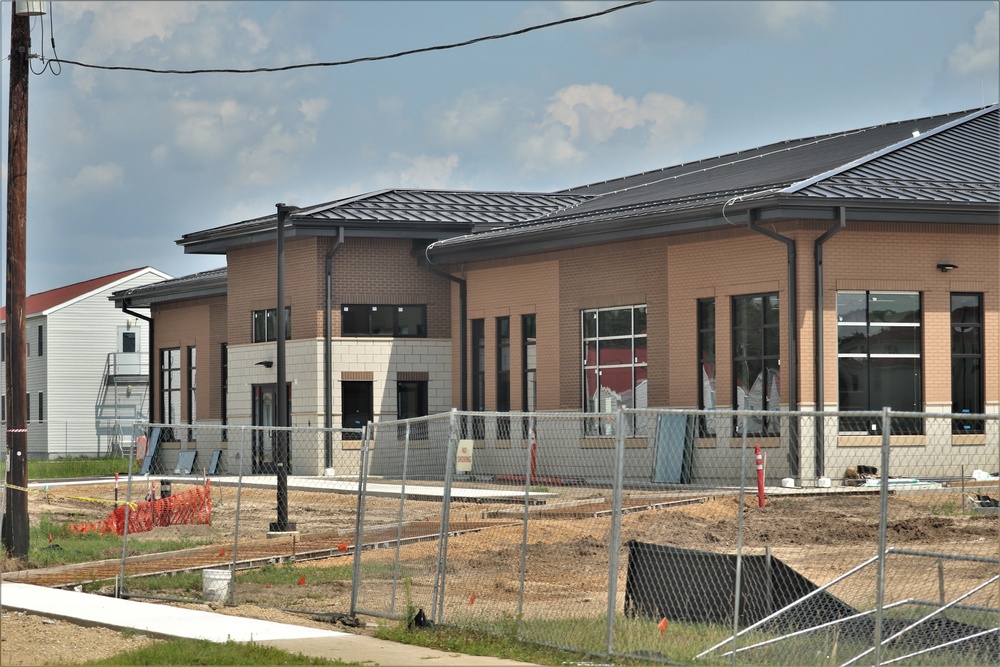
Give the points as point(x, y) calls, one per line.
point(960, 426)
point(268, 318)
point(192, 404)
point(743, 331)
point(856, 338)
point(592, 346)
point(370, 330)
point(170, 393)
point(707, 364)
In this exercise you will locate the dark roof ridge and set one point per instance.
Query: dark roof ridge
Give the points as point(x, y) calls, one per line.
point(799, 143)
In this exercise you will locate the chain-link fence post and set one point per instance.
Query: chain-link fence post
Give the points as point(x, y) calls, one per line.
point(529, 455)
point(738, 588)
point(236, 525)
point(360, 518)
point(883, 520)
point(442, 558)
point(120, 584)
point(616, 529)
point(399, 520)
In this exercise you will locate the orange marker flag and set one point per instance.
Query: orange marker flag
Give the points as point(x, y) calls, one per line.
point(50, 538)
point(302, 580)
point(662, 625)
point(342, 546)
point(222, 552)
point(472, 598)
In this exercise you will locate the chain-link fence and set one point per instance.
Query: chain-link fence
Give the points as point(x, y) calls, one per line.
point(659, 534)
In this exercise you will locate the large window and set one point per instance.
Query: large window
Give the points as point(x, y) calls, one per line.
point(706, 364)
point(878, 349)
point(411, 401)
point(967, 360)
point(390, 321)
point(528, 364)
point(170, 389)
point(478, 377)
point(192, 385)
point(614, 362)
point(224, 387)
point(756, 377)
point(41, 406)
point(265, 325)
point(41, 341)
point(503, 376)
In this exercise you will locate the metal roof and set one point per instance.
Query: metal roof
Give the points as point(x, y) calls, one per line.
point(44, 301)
point(196, 285)
point(948, 162)
point(427, 214)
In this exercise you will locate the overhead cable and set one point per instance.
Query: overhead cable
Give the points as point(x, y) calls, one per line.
point(353, 61)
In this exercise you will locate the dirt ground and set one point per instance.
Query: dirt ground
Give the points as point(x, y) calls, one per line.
point(821, 536)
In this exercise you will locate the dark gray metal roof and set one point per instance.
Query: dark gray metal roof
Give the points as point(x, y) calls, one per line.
point(949, 168)
point(197, 285)
point(424, 214)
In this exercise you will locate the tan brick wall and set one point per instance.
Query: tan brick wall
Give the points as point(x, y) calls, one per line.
point(200, 323)
point(669, 274)
point(376, 271)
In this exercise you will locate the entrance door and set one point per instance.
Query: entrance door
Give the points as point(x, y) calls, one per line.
point(265, 442)
point(356, 399)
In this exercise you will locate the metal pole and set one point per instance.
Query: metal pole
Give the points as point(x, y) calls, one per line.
point(399, 519)
point(524, 530)
point(449, 475)
point(236, 531)
point(16, 532)
point(616, 529)
point(359, 526)
point(883, 519)
point(128, 513)
point(738, 589)
point(282, 524)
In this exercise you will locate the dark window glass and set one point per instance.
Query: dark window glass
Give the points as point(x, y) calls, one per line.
point(528, 369)
point(170, 389)
point(967, 361)
point(41, 341)
point(384, 320)
point(879, 340)
point(706, 364)
point(756, 354)
point(265, 325)
point(411, 398)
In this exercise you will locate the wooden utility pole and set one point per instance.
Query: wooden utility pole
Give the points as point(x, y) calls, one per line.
point(15, 520)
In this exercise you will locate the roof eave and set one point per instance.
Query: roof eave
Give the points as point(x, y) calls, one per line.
point(713, 218)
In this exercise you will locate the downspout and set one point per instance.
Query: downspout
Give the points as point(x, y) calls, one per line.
point(794, 458)
point(462, 312)
point(151, 360)
point(818, 334)
point(327, 355)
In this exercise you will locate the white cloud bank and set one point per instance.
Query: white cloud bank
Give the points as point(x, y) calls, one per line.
point(581, 119)
point(981, 54)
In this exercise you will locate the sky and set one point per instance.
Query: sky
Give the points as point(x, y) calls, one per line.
point(122, 164)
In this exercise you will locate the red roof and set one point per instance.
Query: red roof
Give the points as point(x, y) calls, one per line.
point(37, 303)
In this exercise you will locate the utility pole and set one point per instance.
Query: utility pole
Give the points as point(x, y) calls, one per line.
point(15, 520)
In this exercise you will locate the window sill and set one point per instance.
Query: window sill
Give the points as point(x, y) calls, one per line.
point(765, 443)
point(848, 440)
point(962, 440)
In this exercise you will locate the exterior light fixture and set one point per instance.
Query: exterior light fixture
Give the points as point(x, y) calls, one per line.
point(267, 363)
point(945, 267)
point(32, 8)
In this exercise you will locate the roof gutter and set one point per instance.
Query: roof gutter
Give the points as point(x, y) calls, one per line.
point(794, 458)
point(818, 336)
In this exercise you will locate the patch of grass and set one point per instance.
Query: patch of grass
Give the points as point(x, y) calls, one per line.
point(201, 652)
point(290, 573)
point(78, 466)
point(67, 546)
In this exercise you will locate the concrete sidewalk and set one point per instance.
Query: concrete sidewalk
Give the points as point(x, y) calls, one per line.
point(165, 621)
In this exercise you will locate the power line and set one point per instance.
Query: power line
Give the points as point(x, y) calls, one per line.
point(352, 61)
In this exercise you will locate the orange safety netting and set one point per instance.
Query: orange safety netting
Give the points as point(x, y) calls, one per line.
point(188, 507)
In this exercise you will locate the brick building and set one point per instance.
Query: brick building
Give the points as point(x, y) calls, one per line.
point(360, 260)
point(695, 286)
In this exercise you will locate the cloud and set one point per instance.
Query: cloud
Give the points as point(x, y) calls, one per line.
point(584, 118)
point(423, 171)
point(260, 40)
point(94, 178)
point(313, 109)
point(275, 156)
point(473, 116)
point(982, 53)
point(779, 16)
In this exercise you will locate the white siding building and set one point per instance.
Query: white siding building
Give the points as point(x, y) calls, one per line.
point(87, 367)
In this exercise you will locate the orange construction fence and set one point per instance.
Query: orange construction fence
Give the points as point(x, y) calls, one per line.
point(193, 506)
